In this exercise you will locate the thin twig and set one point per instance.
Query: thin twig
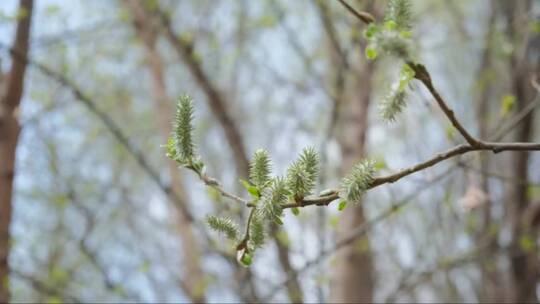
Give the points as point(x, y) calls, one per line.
point(109, 123)
point(365, 17)
point(215, 184)
point(421, 73)
point(455, 151)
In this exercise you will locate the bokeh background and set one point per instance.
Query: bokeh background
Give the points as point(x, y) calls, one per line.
point(94, 218)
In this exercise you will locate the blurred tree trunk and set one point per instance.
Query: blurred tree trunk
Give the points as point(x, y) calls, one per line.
point(353, 274)
point(524, 64)
point(9, 135)
point(193, 283)
point(338, 70)
point(490, 281)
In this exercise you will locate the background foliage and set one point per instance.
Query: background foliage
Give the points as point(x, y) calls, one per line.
point(90, 223)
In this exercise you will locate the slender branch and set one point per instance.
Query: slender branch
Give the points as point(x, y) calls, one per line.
point(365, 17)
point(109, 123)
point(215, 184)
point(455, 151)
point(422, 74)
point(357, 232)
point(218, 104)
point(246, 234)
point(364, 228)
point(473, 145)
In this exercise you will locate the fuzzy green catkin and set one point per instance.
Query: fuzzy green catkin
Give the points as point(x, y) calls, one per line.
point(399, 11)
point(392, 105)
point(273, 197)
point(256, 232)
point(302, 174)
point(223, 225)
point(310, 158)
point(260, 169)
point(358, 180)
point(183, 129)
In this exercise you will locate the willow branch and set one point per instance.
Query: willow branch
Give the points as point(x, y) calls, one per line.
point(365, 17)
point(215, 184)
point(357, 232)
point(422, 74)
point(453, 152)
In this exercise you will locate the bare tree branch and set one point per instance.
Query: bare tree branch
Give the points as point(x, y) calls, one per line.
point(455, 151)
point(111, 125)
point(215, 99)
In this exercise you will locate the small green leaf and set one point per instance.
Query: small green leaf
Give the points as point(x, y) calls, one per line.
point(407, 72)
point(247, 259)
point(22, 13)
point(187, 37)
point(342, 205)
point(370, 31)
point(405, 34)
point(144, 267)
point(380, 164)
point(119, 290)
point(244, 257)
point(171, 149)
point(362, 245)
point(52, 9)
point(450, 132)
point(534, 27)
point(254, 191)
point(333, 221)
point(283, 238)
point(278, 221)
point(58, 275)
point(405, 76)
point(507, 104)
point(390, 25)
point(267, 21)
point(526, 243)
point(54, 300)
point(213, 193)
point(295, 211)
point(371, 53)
point(533, 192)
